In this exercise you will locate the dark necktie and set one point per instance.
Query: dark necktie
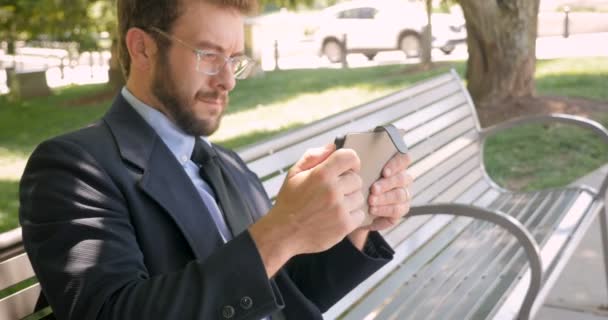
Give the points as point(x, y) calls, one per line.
point(227, 195)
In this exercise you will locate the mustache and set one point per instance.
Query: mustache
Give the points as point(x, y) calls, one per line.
point(212, 95)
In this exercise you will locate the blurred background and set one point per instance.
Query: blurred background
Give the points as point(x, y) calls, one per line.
point(59, 72)
point(66, 43)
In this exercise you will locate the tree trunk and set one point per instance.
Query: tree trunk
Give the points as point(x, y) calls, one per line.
point(427, 38)
point(115, 74)
point(502, 49)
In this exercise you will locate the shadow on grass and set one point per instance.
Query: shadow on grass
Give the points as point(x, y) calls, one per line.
point(9, 205)
point(582, 85)
point(535, 157)
point(24, 124)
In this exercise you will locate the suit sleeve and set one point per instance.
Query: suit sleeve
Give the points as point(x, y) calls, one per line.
point(83, 248)
point(338, 270)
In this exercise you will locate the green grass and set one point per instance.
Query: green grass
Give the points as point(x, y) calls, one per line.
point(544, 156)
point(9, 204)
point(536, 156)
point(24, 124)
point(279, 101)
point(580, 77)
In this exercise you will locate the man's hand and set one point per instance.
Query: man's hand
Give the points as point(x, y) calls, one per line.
point(318, 205)
point(389, 199)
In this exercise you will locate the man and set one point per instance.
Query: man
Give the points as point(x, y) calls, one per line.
point(118, 223)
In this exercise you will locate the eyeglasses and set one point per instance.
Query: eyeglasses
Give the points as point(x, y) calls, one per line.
point(211, 62)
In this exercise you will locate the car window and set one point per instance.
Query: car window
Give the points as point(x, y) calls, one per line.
point(358, 13)
point(367, 13)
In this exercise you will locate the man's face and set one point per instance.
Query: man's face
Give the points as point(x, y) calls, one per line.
point(196, 101)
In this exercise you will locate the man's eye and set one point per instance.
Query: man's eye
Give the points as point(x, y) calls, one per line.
point(210, 56)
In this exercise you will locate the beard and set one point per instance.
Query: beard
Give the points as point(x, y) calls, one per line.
point(179, 106)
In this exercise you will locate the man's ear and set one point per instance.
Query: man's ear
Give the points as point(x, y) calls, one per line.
point(142, 48)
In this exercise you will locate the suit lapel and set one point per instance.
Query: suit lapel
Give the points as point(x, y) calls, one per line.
point(163, 178)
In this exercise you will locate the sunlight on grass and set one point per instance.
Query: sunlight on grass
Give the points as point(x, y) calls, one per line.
point(302, 109)
point(574, 77)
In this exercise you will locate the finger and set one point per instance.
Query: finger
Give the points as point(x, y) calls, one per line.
point(390, 211)
point(398, 181)
point(382, 223)
point(354, 201)
point(395, 196)
point(341, 161)
point(349, 182)
point(312, 157)
point(399, 162)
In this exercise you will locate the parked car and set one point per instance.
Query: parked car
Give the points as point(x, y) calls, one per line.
point(371, 26)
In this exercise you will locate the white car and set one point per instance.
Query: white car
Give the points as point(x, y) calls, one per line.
point(371, 26)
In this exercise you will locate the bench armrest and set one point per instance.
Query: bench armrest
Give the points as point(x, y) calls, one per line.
point(594, 126)
point(510, 224)
point(11, 243)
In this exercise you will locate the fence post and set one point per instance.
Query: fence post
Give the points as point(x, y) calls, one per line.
point(276, 55)
point(343, 52)
point(91, 62)
point(566, 21)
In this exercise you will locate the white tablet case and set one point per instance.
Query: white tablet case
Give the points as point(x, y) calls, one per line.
point(374, 149)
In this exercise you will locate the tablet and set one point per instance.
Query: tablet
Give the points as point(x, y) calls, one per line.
point(374, 149)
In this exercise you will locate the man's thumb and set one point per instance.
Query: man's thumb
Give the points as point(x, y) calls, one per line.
point(311, 158)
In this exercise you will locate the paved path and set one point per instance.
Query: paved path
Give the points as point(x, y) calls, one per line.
point(581, 291)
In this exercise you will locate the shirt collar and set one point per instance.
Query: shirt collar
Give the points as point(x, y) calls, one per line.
point(180, 143)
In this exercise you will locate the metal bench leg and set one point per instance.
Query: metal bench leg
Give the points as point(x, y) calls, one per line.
point(604, 235)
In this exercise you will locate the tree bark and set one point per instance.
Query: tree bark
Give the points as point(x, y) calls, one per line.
point(427, 35)
point(502, 49)
point(115, 74)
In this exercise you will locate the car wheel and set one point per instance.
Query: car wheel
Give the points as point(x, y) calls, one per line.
point(332, 49)
point(410, 45)
point(447, 49)
point(370, 56)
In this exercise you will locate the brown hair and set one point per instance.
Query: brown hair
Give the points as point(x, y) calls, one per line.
point(160, 14)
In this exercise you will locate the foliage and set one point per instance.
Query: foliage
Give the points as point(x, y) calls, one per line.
point(57, 20)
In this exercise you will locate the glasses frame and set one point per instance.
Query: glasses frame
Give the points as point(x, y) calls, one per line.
point(200, 53)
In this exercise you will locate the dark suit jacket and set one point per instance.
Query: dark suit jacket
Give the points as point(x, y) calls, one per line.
point(115, 229)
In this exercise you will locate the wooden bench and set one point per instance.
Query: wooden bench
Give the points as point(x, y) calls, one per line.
point(469, 248)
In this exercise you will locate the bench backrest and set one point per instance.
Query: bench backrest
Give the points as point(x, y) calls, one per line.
point(16, 274)
point(442, 133)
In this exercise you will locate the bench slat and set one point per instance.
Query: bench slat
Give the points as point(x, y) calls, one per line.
point(422, 290)
point(417, 243)
point(441, 155)
point(273, 184)
point(436, 141)
point(551, 249)
point(429, 112)
point(478, 276)
point(428, 129)
point(284, 157)
point(450, 163)
point(15, 270)
point(279, 142)
point(397, 234)
point(510, 256)
point(450, 181)
point(507, 264)
point(20, 304)
point(480, 253)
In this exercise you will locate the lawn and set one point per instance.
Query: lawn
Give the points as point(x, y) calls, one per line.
point(278, 101)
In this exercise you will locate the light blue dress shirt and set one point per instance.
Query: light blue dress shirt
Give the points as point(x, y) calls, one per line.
point(181, 145)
